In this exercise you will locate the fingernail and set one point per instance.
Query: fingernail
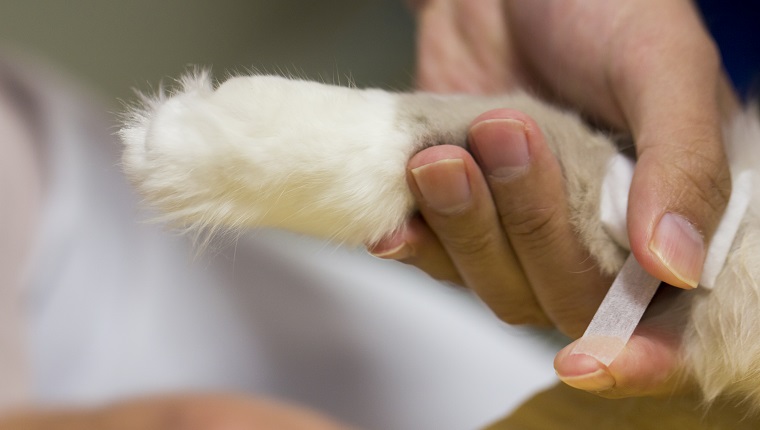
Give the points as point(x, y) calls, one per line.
point(680, 247)
point(444, 185)
point(597, 379)
point(502, 146)
point(392, 248)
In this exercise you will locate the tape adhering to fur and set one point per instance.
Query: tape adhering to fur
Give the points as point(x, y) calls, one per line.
point(619, 313)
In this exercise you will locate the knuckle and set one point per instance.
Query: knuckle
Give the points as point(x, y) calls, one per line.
point(472, 243)
point(521, 314)
point(708, 191)
point(573, 329)
point(572, 313)
point(704, 178)
point(515, 309)
point(536, 225)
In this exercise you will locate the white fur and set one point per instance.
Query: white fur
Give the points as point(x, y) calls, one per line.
point(269, 151)
point(330, 162)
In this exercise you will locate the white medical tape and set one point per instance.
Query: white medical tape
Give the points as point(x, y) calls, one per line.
point(633, 288)
point(619, 313)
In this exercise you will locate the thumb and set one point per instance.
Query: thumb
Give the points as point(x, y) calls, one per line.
point(680, 189)
point(675, 100)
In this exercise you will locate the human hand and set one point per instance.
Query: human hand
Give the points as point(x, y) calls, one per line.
point(498, 221)
point(196, 412)
point(647, 67)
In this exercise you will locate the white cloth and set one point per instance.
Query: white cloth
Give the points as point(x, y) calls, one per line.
point(120, 308)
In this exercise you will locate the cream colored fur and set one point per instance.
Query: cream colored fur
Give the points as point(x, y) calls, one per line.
point(721, 343)
point(330, 162)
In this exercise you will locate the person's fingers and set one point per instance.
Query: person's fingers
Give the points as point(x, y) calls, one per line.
point(455, 202)
point(672, 97)
point(651, 68)
point(648, 365)
point(676, 200)
point(415, 244)
point(527, 185)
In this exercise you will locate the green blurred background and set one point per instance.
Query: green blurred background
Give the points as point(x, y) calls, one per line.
point(118, 45)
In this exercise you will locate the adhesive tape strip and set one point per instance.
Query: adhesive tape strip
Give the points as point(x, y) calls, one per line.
point(619, 313)
point(633, 288)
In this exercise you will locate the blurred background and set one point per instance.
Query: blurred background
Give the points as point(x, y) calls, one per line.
point(116, 46)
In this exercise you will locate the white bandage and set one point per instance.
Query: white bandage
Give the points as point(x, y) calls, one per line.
point(723, 238)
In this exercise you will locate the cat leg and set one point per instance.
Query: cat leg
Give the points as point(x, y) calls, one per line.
point(331, 162)
point(323, 160)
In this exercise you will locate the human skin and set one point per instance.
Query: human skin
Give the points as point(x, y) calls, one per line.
point(180, 412)
point(646, 67)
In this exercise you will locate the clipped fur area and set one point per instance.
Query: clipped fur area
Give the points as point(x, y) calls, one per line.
point(583, 153)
